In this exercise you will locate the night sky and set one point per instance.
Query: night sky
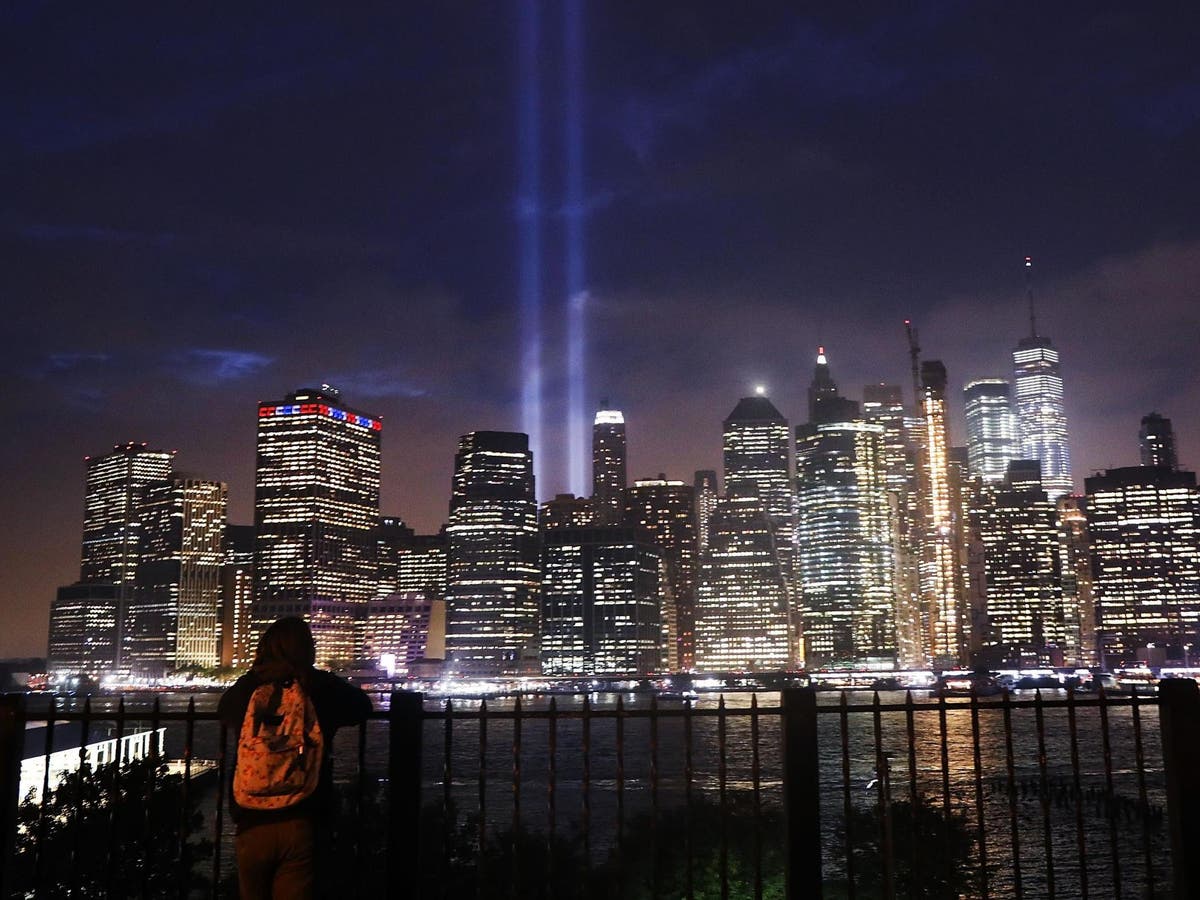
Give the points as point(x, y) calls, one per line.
point(203, 210)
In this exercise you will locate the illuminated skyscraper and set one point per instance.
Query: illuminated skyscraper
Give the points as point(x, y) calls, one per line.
point(883, 405)
point(1144, 529)
point(406, 627)
point(608, 466)
point(1079, 609)
point(172, 618)
point(706, 491)
point(1157, 441)
point(757, 451)
point(742, 615)
point(1022, 559)
point(1041, 419)
point(83, 629)
point(410, 563)
point(666, 511)
point(566, 511)
point(112, 531)
point(941, 568)
point(492, 587)
point(991, 430)
point(237, 597)
point(316, 513)
point(600, 602)
point(845, 554)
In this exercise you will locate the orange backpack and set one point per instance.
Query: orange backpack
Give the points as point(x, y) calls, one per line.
point(279, 748)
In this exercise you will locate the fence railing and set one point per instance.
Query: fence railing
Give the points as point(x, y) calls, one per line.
point(862, 794)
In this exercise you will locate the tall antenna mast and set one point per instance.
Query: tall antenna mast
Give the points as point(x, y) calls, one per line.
point(1029, 295)
point(914, 354)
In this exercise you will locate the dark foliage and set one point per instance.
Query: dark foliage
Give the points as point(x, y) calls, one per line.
point(112, 831)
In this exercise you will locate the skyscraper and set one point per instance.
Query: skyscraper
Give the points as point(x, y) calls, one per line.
point(883, 405)
point(1156, 438)
point(1144, 527)
point(757, 454)
point(1079, 608)
point(83, 629)
point(237, 597)
point(845, 553)
point(172, 619)
point(1041, 419)
point(410, 563)
point(493, 571)
point(316, 512)
point(1022, 561)
point(566, 511)
point(600, 602)
point(704, 483)
point(666, 511)
point(991, 430)
point(608, 466)
point(742, 615)
point(112, 529)
point(941, 575)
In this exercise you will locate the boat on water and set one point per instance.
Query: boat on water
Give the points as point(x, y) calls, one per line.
point(967, 684)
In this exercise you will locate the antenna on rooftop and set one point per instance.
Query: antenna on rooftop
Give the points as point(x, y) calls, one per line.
point(914, 355)
point(1029, 295)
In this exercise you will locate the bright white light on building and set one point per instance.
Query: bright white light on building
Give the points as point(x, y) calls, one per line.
point(760, 389)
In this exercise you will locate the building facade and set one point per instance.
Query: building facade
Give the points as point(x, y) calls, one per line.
point(83, 629)
point(316, 513)
point(238, 640)
point(493, 560)
point(666, 511)
point(601, 595)
point(1156, 440)
point(1144, 532)
point(609, 466)
point(743, 620)
point(991, 428)
point(404, 628)
point(172, 620)
point(707, 492)
point(1041, 418)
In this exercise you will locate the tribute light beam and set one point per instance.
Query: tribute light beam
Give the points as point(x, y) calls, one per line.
point(529, 190)
point(577, 418)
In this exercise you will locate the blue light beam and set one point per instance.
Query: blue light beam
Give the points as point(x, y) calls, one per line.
point(529, 201)
point(577, 419)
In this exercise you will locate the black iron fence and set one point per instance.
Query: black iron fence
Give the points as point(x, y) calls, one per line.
point(807, 795)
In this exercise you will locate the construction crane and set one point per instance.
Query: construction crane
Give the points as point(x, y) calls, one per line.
point(914, 354)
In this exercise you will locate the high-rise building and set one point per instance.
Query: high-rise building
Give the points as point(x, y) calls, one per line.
point(707, 492)
point(845, 550)
point(941, 567)
point(410, 563)
point(493, 570)
point(112, 531)
point(742, 612)
point(1157, 442)
point(172, 618)
point(1041, 418)
point(883, 405)
point(991, 429)
point(566, 511)
point(666, 510)
point(600, 602)
point(1144, 530)
point(1025, 619)
point(316, 511)
point(237, 597)
point(757, 454)
point(404, 628)
point(1079, 609)
point(608, 466)
point(83, 629)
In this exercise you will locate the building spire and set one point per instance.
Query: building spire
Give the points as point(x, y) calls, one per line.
point(1029, 295)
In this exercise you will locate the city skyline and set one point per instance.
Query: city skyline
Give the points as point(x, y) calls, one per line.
point(202, 216)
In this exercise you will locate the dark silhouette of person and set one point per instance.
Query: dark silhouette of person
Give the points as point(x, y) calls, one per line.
point(279, 850)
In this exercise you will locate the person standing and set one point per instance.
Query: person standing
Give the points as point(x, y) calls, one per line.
point(285, 713)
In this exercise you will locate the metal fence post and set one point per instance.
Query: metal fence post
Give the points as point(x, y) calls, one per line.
point(801, 793)
point(1179, 722)
point(404, 793)
point(12, 750)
